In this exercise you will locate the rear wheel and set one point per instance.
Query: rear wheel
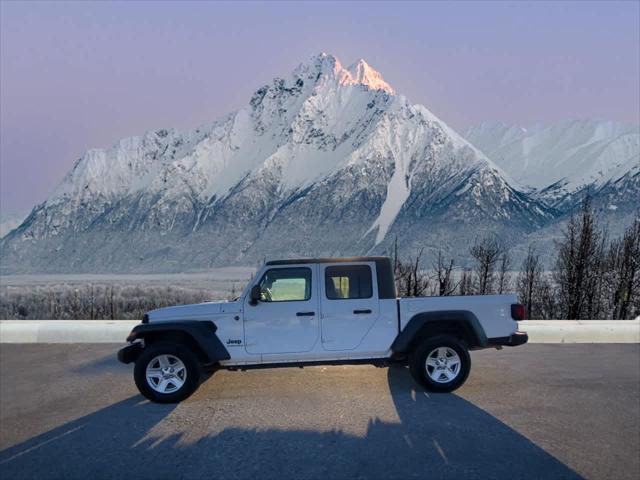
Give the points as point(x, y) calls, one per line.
point(167, 372)
point(440, 363)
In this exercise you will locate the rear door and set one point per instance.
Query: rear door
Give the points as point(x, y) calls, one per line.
point(349, 304)
point(285, 320)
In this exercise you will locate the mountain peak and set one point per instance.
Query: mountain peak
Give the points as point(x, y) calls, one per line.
point(359, 73)
point(363, 73)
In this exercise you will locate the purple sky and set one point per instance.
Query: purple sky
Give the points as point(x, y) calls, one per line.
point(80, 75)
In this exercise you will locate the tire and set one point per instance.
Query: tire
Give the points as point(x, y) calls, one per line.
point(167, 372)
point(438, 375)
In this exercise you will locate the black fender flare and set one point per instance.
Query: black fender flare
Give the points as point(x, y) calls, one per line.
point(202, 332)
point(464, 319)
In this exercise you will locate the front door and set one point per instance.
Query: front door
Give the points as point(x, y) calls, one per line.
point(349, 304)
point(285, 320)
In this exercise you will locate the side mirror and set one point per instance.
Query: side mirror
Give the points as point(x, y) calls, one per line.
point(254, 296)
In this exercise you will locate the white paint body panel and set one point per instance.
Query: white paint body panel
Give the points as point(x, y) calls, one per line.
point(274, 333)
point(342, 329)
point(275, 329)
point(493, 311)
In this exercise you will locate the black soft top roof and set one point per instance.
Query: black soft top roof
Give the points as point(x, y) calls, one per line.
point(298, 261)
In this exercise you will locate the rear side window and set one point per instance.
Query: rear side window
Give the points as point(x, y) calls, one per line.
point(286, 285)
point(348, 281)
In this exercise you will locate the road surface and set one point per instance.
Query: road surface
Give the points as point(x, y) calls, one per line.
point(536, 411)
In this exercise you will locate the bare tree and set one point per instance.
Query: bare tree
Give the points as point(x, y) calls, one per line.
point(529, 280)
point(594, 284)
point(411, 281)
point(545, 304)
point(111, 302)
point(465, 285)
point(623, 271)
point(503, 272)
point(92, 301)
point(486, 252)
point(396, 257)
point(577, 267)
point(446, 285)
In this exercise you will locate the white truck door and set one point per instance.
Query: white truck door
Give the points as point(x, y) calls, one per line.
point(285, 320)
point(349, 304)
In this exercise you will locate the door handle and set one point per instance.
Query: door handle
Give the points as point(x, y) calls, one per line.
point(361, 311)
point(305, 314)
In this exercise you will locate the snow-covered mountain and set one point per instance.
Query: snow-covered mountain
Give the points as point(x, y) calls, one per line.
point(9, 221)
point(563, 161)
point(326, 161)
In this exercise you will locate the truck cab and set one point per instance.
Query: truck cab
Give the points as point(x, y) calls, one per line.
point(319, 311)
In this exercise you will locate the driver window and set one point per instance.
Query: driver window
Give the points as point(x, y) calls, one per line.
point(286, 285)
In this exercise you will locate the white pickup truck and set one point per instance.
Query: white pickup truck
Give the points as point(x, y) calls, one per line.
point(319, 311)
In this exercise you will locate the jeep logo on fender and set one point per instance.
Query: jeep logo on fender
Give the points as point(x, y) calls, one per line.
point(234, 342)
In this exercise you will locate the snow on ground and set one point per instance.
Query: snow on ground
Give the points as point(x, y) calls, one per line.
point(217, 279)
point(397, 194)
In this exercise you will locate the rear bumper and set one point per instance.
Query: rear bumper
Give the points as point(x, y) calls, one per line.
point(513, 340)
point(130, 353)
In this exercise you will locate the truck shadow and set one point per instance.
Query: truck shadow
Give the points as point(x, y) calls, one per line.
point(103, 364)
point(439, 436)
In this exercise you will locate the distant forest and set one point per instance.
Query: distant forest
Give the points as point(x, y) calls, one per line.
point(593, 277)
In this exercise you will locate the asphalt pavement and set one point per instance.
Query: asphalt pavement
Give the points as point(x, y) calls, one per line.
point(536, 411)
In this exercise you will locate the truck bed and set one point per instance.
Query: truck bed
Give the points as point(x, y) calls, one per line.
point(493, 311)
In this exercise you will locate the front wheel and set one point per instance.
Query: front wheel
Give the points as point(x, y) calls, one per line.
point(166, 372)
point(441, 363)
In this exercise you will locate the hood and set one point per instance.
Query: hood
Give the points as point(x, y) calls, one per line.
point(196, 311)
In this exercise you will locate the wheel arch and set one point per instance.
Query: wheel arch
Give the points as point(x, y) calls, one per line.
point(462, 324)
point(199, 336)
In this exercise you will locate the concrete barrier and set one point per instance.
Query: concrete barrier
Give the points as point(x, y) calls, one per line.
point(116, 331)
point(582, 331)
point(65, 331)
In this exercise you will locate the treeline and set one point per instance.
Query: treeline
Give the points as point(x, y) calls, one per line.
point(72, 302)
point(592, 276)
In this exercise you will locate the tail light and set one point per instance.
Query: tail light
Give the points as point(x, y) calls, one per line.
point(518, 312)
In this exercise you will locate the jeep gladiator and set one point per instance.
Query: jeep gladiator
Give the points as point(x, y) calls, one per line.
point(318, 312)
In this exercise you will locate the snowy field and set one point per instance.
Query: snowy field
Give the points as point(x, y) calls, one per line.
point(105, 296)
point(216, 280)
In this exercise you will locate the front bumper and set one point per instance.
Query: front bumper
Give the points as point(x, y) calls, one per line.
point(130, 353)
point(513, 340)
